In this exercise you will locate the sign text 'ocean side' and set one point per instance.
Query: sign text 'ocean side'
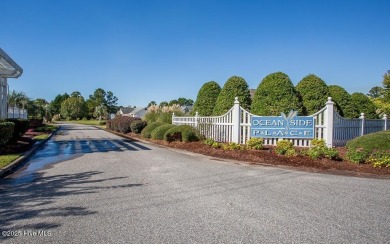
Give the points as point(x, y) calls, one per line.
point(291, 126)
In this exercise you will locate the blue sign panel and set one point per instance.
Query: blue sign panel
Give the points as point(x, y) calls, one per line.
point(291, 126)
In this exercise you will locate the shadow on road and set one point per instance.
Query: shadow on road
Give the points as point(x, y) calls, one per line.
point(38, 202)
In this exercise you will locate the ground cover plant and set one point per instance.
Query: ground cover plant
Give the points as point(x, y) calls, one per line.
point(371, 148)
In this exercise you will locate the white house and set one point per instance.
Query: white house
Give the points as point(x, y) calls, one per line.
point(8, 69)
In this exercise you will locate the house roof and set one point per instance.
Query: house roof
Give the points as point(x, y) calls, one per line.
point(127, 110)
point(8, 67)
point(139, 112)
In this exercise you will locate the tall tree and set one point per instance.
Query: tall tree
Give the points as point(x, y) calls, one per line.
point(56, 103)
point(74, 108)
point(386, 86)
point(375, 92)
point(101, 97)
point(152, 103)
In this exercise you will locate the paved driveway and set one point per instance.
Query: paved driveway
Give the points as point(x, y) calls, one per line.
point(89, 186)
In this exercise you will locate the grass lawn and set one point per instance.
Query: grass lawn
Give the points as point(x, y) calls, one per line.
point(88, 122)
point(7, 159)
point(41, 137)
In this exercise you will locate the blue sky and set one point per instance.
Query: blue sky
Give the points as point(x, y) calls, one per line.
point(162, 50)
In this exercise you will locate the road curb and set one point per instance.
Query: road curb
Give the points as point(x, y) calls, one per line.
point(9, 168)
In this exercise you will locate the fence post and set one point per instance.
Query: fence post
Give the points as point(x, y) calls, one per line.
point(173, 118)
point(236, 121)
point(385, 118)
point(196, 120)
point(362, 123)
point(329, 122)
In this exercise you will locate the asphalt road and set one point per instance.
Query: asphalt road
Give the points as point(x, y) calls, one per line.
point(89, 186)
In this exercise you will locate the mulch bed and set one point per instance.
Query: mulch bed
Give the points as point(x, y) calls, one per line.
point(268, 157)
point(22, 144)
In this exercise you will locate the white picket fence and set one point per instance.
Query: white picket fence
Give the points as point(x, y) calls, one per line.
point(17, 113)
point(235, 126)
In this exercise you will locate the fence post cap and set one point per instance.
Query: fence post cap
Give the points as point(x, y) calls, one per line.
point(196, 113)
point(329, 101)
point(361, 116)
point(236, 100)
point(173, 114)
point(385, 116)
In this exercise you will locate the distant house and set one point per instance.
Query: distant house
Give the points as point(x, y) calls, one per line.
point(139, 112)
point(8, 69)
point(186, 109)
point(125, 111)
point(133, 112)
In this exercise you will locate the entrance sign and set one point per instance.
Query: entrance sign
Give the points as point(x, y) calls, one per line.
point(291, 126)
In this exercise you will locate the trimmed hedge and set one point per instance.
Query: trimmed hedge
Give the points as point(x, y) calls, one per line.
point(314, 93)
point(121, 124)
point(6, 132)
point(361, 148)
point(206, 99)
point(147, 131)
point(159, 132)
point(275, 94)
point(235, 86)
point(342, 99)
point(21, 126)
point(362, 104)
point(185, 133)
point(138, 125)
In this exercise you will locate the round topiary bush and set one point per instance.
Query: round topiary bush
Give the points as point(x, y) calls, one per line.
point(137, 126)
point(342, 99)
point(314, 93)
point(147, 131)
point(275, 94)
point(185, 133)
point(159, 132)
point(206, 99)
point(235, 86)
point(362, 104)
point(361, 148)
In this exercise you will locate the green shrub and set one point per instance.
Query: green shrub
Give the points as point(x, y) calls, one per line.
point(206, 99)
point(275, 94)
point(314, 93)
point(137, 126)
point(122, 124)
point(21, 126)
point(185, 133)
point(255, 143)
point(362, 104)
point(342, 101)
point(147, 131)
point(233, 146)
point(159, 132)
point(235, 86)
point(216, 145)
point(6, 132)
point(209, 142)
point(165, 118)
point(318, 149)
point(284, 147)
point(360, 149)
